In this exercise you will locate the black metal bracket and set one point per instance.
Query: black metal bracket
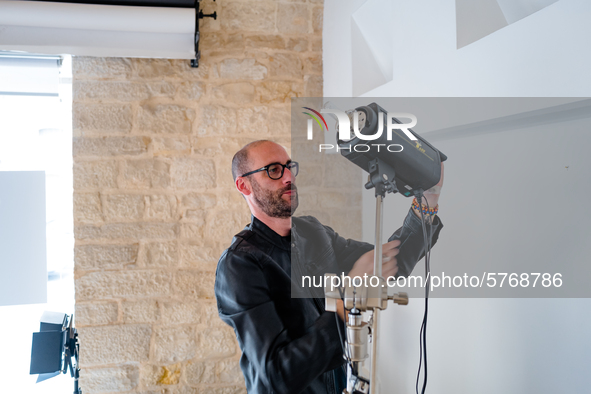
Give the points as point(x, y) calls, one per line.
point(199, 15)
point(381, 177)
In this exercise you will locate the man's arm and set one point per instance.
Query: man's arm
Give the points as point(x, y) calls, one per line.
point(410, 250)
point(284, 362)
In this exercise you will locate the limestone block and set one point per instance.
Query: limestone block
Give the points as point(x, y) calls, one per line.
point(297, 44)
point(253, 120)
point(285, 65)
point(95, 175)
point(159, 254)
point(87, 208)
point(191, 231)
point(292, 18)
point(224, 224)
point(198, 201)
point(333, 199)
point(161, 207)
point(216, 342)
point(346, 222)
point(183, 312)
point(198, 373)
point(317, 18)
point(211, 316)
point(121, 91)
point(313, 86)
point(231, 43)
point(174, 343)
point(114, 344)
point(110, 379)
point(191, 90)
point(216, 147)
point(194, 284)
point(154, 68)
point(95, 314)
point(89, 257)
point(145, 174)
point(310, 175)
point(199, 256)
point(169, 69)
point(339, 173)
point(105, 118)
point(278, 91)
point(171, 146)
point(166, 118)
point(113, 284)
point(232, 199)
point(126, 231)
point(238, 93)
point(280, 122)
point(123, 207)
point(215, 390)
point(216, 120)
point(156, 375)
point(195, 215)
point(248, 16)
point(313, 64)
point(305, 152)
point(110, 146)
point(100, 68)
point(193, 173)
point(229, 371)
point(308, 198)
point(242, 69)
point(144, 311)
point(270, 41)
point(227, 390)
point(316, 44)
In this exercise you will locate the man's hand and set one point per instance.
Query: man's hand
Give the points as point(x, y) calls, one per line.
point(364, 265)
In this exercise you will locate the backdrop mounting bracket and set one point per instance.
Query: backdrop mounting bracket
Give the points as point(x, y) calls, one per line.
point(199, 15)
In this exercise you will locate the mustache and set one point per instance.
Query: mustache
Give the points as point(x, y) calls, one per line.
point(291, 187)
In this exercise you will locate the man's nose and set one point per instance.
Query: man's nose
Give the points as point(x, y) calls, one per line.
point(287, 176)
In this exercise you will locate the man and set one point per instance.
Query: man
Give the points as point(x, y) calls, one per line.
point(292, 345)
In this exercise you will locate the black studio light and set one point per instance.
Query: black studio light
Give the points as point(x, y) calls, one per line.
point(55, 348)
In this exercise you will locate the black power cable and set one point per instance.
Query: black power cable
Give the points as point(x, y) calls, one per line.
point(423, 332)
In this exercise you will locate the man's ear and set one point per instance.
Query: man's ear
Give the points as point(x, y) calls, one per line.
point(243, 186)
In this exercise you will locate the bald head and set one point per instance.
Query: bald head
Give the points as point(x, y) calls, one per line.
point(241, 160)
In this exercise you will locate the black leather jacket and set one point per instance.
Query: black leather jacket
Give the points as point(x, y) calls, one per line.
point(292, 345)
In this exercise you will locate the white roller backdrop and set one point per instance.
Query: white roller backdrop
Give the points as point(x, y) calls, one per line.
point(97, 30)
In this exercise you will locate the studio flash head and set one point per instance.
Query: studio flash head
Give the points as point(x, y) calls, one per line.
point(397, 158)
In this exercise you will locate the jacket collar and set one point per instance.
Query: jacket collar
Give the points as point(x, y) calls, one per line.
point(262, 229)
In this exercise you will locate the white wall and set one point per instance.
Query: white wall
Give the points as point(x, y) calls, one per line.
point(544, 54)
point(482, 345)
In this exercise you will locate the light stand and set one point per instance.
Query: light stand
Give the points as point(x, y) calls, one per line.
point(372, 298)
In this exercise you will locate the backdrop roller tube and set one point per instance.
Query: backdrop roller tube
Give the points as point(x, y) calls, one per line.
point(97, 30)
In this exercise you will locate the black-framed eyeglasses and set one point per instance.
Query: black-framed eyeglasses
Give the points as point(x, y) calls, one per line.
point(275, 170)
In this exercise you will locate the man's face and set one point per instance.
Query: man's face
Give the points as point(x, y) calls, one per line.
point(276, 198)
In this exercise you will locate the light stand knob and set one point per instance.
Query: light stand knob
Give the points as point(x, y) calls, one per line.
point(399, 298)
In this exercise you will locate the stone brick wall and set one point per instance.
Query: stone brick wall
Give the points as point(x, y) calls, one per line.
point(154, 204)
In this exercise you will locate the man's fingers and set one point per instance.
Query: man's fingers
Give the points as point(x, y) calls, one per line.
point(391, 245)
point(389, 271)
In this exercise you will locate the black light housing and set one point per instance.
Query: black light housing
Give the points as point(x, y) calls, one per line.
point(55, 348)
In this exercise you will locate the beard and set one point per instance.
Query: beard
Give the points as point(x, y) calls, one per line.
point(272, 203)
